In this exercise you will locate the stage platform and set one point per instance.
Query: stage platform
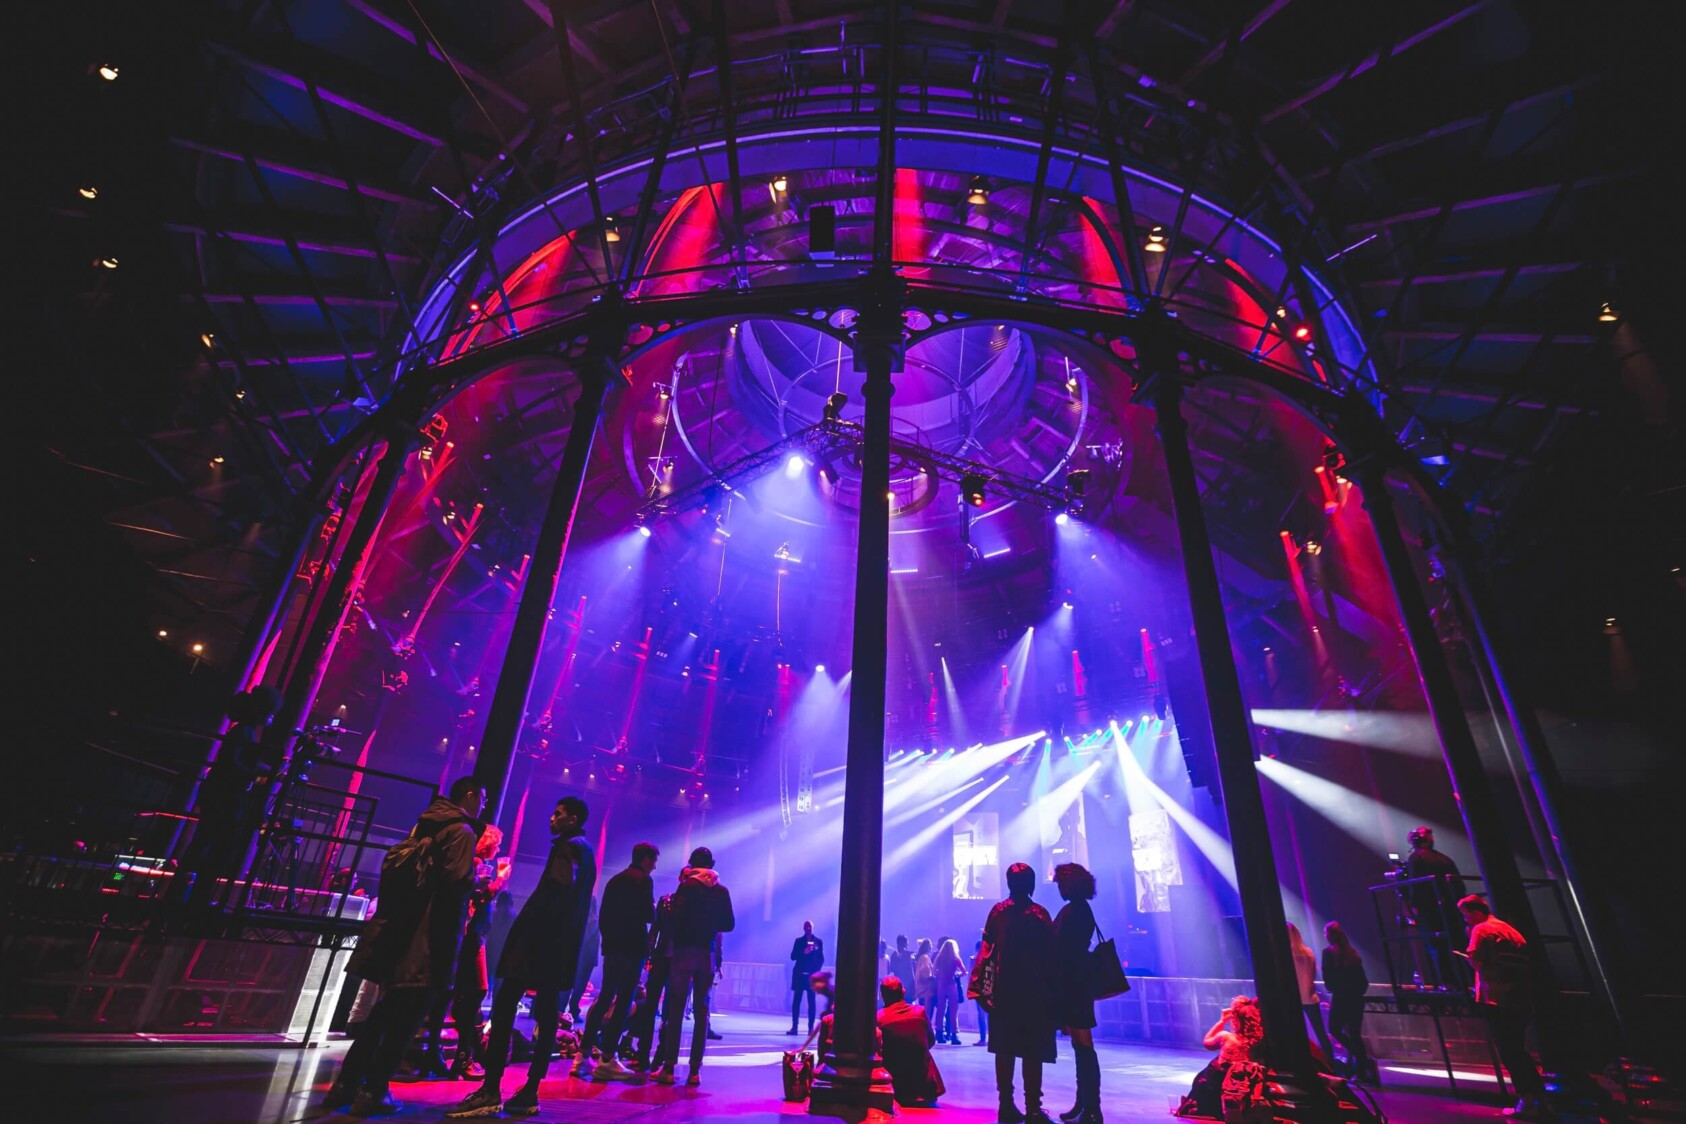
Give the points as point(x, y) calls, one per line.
point(261, 1084)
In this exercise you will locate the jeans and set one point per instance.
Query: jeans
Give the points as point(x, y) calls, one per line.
point(983, 1024)
point(609, 1011)
point(796, 1005)
point(644, 1018)
point(1346, 1023)
point(546, 1013)
point(693, 979)
point(946, 1020)
point(379, 1047)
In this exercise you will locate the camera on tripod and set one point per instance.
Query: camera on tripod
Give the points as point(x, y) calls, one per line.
point(315, 743)
point(1396, 867)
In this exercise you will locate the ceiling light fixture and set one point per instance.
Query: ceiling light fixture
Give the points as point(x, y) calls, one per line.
point(1607, 314)
point(781, 183)
point(107, 71)
point(88, 192)
point(1155, 240)
point(978, 194)
point(610, 232)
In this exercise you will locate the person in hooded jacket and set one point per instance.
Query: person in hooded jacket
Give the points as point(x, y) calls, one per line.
point(409, 948)
point(702, 910)
point(540, 955)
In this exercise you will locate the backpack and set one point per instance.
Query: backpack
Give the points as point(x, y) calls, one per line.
point(409, 864)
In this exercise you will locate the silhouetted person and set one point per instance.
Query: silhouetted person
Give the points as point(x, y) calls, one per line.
point(409, 947)
point(905, 1044)
point(901, 962)
point(1074, 1005)
point(1020, 934)
point(1344, 976)
point(659, 967)
point(1430, 905)
point(807, 955)
point(1505, 992)
point(540, 955)
point(491, 874)
point(702, 910)
point(623, 922)
point(231, 803)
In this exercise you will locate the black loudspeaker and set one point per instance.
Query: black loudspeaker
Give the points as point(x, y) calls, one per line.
point(822, 232)
point(1187, 697)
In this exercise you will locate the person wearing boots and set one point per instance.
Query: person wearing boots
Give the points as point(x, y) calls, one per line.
point(1344, 976)
point(807, 956)
point(540, 955)
point(1020, 935)
point(702, 910)
point(409, 947)
point(1074, 1007)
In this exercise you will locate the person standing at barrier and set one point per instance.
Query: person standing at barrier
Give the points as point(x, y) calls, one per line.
point(1019, 934)
point(1074, 1006)
point(409, 947)
point(1504, 990)
point(807, 956)
point(623, 922)
point(702, 910)
point(1344, 976)
point(1305, 974)
point(949, 969)
point(540, 955)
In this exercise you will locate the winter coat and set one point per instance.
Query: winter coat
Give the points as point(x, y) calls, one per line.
point(702, 907)
point(1021, 1023)
point(543, 946)
point(414, 936)
point(629, 904)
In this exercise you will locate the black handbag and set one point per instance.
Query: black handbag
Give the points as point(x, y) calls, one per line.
point(981, 986)
point(1106, 971)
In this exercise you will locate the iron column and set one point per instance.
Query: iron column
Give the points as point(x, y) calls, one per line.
point(1232, 738)
point(526, 637)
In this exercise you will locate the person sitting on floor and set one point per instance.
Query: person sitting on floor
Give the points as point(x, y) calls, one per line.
point(907, 1039)
point(1237, 1037)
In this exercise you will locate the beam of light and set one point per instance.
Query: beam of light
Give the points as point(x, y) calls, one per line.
point(943, 775)
point(951, 698)
point(1018, 667)
point(907, 815)
point(1409, 733)
point(1362, 817)
point(915, 846)
point(1039, 824)
point(1142, 794)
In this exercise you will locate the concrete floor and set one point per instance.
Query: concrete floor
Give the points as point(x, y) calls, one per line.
point(261, 1084)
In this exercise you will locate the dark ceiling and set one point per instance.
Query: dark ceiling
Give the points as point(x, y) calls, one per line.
point(1479, 176)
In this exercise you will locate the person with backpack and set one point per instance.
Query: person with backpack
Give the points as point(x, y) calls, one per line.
point(540, 955)
point(702, 910)
point(409, 947)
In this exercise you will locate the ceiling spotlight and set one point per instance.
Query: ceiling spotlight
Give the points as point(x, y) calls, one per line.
point(107, 263)
point(972, 488)
point(610, 232)
point(978, 194)
point(163, 633)
point(1155, 240)
point(94, 193)
point(1282, 312)
point(645, 531)
point(781, 183)
point(1062, 519)
point(664, 391)
point(474, 306)
point(820, 667)
point(198, 648)
point(1303, 332)
point(834, 406)
point(1607, 314)
point(208, 339)
point(107, 71)
point(239, 394)
point(218, 459)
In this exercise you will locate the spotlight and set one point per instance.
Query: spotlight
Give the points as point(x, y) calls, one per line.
point(217, 459)
point(474, 307)
point(664, 391)
point(972, 488)
point(94, 193)
point(163, 634)
point(820, 668)
point(978, 194)
point(208, 339)
point(1155, 240)
point(1606, 313)
point(107, 263)
point(198, 649)
point(1062, 519)
point(1282, 312)
point(241, 393)
point(610, 232)
point(645, 531)
point(107, 71)
point(834, 406)
point(780, 183)
point(793, 464)
point(1303, 332)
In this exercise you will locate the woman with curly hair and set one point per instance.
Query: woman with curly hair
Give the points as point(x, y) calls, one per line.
point(1074, 1006)
point(1236, 1036)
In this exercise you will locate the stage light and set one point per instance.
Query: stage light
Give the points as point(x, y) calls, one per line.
point(163, 634)
point(1067, 605)
point(1155, 240)
point(94, 193)
point(794, 464)
point(820, 668)
point(978, 194)
point(1282, 312)
point(780, 183)
point(107, 71)
point(1312, 546)
point(218, 459)
point(834, 406)
point(198, 649)
point(1303, 332)
point(208, 339)
point(1071, 383)
point(972, 486)
point(645, 531)
point(1062, 519)
point(610, 232)
point(1607, 314)
point(108, 262)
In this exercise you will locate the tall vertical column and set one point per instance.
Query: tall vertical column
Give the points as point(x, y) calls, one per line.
point(846, 1088)
point(1470, 786)
point(1232, 738)
point(526, 636)
point(317, 649)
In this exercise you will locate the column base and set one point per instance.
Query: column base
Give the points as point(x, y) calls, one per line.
point(852, 1097)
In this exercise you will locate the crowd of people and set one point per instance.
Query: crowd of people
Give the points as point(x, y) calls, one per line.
point(425, 953)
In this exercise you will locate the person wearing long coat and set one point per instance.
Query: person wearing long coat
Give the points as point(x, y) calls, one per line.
point(1019, 934)
point(1074, 1003)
